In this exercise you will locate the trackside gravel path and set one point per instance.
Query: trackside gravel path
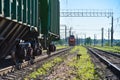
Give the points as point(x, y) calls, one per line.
point(62, 71)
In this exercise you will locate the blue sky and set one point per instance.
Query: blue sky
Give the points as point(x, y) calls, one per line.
point(91, 25)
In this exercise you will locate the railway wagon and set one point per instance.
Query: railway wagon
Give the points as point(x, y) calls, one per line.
point(71, 40)
point(33, 21)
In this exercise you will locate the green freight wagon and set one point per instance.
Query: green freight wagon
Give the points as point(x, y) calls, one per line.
point(6, 8)
point(13, 9)
point(19, 10)
point(28, 12)
point(43, 12)
point(0, 6)
point(24, 11)
point(55, 17)
point(49, 14)
point(28, 20)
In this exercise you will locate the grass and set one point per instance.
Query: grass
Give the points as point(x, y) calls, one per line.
point(44, 69)
point(115, 49)
point(84, 68)
point(74, 49)
point(60, 46)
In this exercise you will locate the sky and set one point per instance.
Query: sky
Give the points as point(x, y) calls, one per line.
point(91, 25)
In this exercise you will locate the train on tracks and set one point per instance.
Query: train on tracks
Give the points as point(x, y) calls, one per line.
point(27, 27)
point(71, 41)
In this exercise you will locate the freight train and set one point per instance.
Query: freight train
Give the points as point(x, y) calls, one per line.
point(27, 27)
point(71, 40)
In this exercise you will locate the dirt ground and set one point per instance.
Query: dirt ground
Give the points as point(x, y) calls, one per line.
point(62, 71)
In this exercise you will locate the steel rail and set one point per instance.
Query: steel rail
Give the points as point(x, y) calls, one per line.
point(9, 69)
point(110, 65)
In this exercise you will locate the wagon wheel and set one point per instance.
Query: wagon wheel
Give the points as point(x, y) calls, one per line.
point(48, 52)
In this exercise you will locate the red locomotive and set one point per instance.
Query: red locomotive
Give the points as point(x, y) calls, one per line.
point(71, 40)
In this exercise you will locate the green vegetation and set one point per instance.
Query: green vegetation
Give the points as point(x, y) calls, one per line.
point(44, 69)
point(60, 46)
point(84, 68)
point(60, 42)
point(80, 69)
point(88, 41)
point(115, 49)
point(74, 49)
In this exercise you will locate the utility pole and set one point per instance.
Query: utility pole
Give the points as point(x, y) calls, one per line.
point(85, 39)
point(108, 37)
point(70, 31)
point(102, 37)
point(112, 32)
point(77, 40)
point(80, 40)
point(94, 40)
point(65, 33)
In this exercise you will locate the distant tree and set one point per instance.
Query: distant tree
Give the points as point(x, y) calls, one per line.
point(60, 42)
point(88, 41)
point(106, 44)
point(118, 44)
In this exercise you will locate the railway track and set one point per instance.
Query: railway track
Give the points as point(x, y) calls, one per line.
point(8, 61)
point(11, 73)
point(111, 67)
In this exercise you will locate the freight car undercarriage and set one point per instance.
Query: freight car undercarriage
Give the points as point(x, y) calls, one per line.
point(12, 32)
point(22, 22)
point(48, 45)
